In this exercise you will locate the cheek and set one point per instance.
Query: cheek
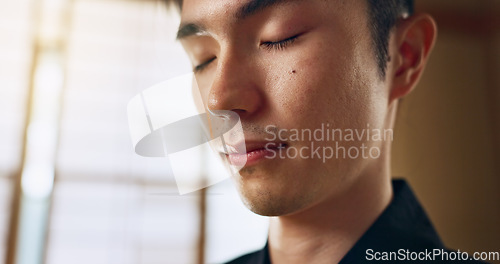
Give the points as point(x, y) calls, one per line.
point(334, 80)
point(311, 88)
point(323, 88)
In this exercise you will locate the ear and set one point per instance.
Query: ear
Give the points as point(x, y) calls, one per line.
point(413, 41)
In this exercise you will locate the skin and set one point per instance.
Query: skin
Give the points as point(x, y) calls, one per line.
point(327, 75)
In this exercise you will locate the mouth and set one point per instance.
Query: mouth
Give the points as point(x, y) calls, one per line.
point(253, 153)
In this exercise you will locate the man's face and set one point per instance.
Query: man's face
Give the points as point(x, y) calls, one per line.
point(293, 65)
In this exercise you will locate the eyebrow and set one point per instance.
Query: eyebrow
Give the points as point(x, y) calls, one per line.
point(249, 9)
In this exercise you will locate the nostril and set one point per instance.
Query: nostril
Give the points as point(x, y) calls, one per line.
point(219, 113)
point(225, 114)
point(223, 120)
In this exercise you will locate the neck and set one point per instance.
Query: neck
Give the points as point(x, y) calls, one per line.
point(325, 232)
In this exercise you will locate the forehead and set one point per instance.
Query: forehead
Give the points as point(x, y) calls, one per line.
point(232, 10)
point(223, 13)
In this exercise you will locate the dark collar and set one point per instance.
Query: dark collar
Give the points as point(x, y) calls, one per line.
point(403, 225)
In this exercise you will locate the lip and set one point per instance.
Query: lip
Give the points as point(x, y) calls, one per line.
point(255, 152)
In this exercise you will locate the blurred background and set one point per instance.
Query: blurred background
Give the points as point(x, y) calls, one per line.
point(72, 190)
point(447, 138)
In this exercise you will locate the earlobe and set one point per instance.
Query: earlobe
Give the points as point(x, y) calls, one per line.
point(414, 40)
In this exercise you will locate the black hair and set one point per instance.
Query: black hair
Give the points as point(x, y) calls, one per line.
point(383, 14)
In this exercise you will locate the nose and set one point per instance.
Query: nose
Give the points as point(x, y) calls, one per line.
point(235, 87)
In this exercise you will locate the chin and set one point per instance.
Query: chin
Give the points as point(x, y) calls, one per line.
point(270, 202)
point(268, 209)
point(276, 189)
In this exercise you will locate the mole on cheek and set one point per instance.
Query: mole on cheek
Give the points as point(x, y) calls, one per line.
point(292, 73)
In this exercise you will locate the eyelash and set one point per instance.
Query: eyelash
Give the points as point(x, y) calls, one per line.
point(277, 45)
point(202, 66)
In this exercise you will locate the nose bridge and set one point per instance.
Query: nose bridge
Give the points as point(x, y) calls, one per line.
point(234, 86)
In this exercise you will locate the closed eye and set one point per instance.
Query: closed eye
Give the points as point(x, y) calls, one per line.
point(200, 67)
point(279, 45)
point(270, 45)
